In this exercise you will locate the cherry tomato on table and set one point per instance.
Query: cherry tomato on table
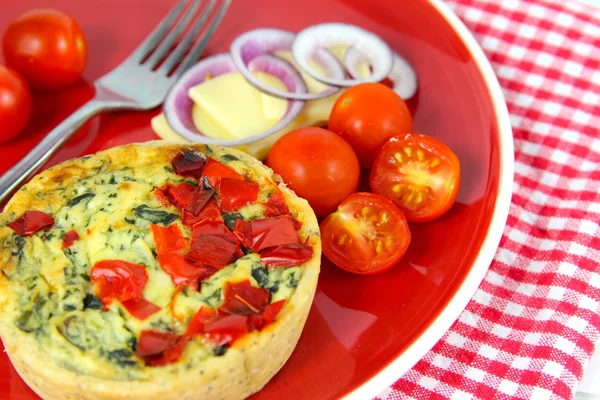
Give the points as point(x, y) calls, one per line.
point(318, 165)
point(367, 234)
point(367, 115)
point(420, 174)
point(15, 104)
point(47, 47)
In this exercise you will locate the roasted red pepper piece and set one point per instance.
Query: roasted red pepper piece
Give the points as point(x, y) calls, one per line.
point(214, 251)
point(234, 194)
point(118, 279)
point(189, 198)
point(208, 213)
point(227, 329)
point(204, 316)
point(70, 238)
point(167, 238)
point(241, 298)
point(215, 171)
point(213, 227)
point(32, 222)
point(182, 270)
point(161, 196)
point(180, 195)
point(140, 309)
point(160, 348)
point(213, 244)
point(272, 311)
point(287, 255)
point(257, 322)
point(276, 206)
point(219, 328)
point(262, 233)
point(189, 163)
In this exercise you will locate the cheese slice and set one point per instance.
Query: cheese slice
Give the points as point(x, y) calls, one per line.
point(235, 105)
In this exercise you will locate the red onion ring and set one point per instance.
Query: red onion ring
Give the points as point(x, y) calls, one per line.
point(259, 42)
point(178, 105)
point(402, 75)
point(313, 38)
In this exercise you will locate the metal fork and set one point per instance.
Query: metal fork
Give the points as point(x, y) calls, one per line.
point(140, 82)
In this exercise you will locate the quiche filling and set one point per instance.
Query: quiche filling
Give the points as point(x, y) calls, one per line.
point(155, 265)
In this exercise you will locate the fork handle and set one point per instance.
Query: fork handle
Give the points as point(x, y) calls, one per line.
point(47, 147)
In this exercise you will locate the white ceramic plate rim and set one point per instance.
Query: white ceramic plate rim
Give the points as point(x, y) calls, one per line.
point(390, 374)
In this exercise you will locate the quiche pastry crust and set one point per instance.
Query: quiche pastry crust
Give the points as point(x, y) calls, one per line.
point(245, 367)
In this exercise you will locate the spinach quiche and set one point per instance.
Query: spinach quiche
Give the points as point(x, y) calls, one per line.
point(155, 270)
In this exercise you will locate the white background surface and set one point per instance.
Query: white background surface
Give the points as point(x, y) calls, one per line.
point(589, 388)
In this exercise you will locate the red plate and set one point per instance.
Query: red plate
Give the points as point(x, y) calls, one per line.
point(363, 332)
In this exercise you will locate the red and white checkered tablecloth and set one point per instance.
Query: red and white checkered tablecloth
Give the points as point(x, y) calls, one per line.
point(531, 327)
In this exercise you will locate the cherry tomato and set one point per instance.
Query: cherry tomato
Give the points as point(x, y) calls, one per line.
point(420, 174)
point(367, 115)
point(47, 47)
point(15, 104)
point(318, 165)
point(367, 234)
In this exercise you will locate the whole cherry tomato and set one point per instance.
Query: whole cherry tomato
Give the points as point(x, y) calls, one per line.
point(15, 104)
point(367, 115)
point(47, 47)
point(420, 174)
point(318, 165)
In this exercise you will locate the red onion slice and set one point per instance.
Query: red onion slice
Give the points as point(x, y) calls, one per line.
point(402, 75)
point(178, 105)
point(259, 42)
point(311, 39)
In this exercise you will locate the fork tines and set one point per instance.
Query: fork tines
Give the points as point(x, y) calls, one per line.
point(183, 32)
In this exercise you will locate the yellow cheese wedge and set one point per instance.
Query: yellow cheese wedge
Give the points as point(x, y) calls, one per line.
point(236, 105)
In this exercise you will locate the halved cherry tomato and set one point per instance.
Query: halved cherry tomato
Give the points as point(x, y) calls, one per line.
point(318, 165)
point(47, 47)
point(118, 279)
point(140, 309)
point(214, 171)
point(367, 115)
point(235, 193)
point(420, 174)
point(241, 298)
point(287, 255)
point(189, 163)
point(32, 222)
point(167, 238)
point(367, 234)
point(15, 104)
point(70, 238)
point(259, 234)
